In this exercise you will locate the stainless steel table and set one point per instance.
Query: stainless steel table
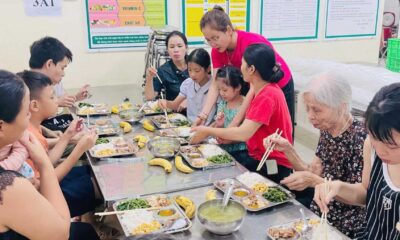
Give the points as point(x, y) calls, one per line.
point(132, 177)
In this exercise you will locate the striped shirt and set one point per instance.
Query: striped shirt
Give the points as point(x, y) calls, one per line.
point(383, 205)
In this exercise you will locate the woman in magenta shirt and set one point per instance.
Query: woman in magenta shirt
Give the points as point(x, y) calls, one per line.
point(228, 46)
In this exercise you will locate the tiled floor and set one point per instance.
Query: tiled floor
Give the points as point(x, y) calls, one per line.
point(305, 141)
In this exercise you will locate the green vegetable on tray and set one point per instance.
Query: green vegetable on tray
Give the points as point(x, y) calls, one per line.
point(275, 194)
point(83, 104)
point(220, 159)
point(102, 140)
point(180, 122)
point(135, 203)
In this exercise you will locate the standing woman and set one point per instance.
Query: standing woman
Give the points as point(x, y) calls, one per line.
point(228, 46)
point(173, 72)
point(267, 112)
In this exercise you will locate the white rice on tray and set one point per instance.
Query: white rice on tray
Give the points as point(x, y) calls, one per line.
point(249, 179)
point(133, 219)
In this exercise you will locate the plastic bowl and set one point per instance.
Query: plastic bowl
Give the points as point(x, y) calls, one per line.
point(131, 115)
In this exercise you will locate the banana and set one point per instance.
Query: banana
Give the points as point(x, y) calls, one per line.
point(114, 109)
point(181, 166)
point(162, 163)
point(148, 126)
point(126, 105)
point(211, 194)
point(141, 140)
point(126, 126)
point(187, 204)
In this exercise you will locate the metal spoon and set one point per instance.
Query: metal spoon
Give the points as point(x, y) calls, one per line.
point(227, 194)
point(306, 227)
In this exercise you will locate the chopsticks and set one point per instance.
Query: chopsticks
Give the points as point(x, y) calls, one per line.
point(324, 216)
point(162, 97)
point(268, 151)
point(124, 211)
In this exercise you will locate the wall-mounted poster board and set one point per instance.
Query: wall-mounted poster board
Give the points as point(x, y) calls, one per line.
point(289, 19)
point(193, 10)
point(123, 24)
point(351, 18)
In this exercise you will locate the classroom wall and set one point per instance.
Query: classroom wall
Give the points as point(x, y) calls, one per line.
point(18, 31)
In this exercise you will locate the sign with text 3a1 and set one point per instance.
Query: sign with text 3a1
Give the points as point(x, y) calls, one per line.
point(42, 7)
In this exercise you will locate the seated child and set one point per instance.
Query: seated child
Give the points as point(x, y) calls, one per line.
point(76, 182)
point(231, 86)
point(195, 88)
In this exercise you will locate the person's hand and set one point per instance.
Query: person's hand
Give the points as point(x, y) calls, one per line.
point(74, 127)
point(220, 119)
point(200, 133)
point(151, 73)
point(321, 198)
point(35, 182)
point(299, 180)
point(182, 106)
point(224, 141)
point(83, 93)
point(316, 167)
point(281, 144)
point(162, 103)
point(198, 122)
point(87, 141)
point(36, 151)
point(75, 139)
point(66, 101)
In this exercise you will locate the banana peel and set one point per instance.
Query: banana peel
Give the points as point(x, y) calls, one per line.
point(187, 204)
point(162, 163)
point(181, 166)
point(126, 126)
point(148, 125)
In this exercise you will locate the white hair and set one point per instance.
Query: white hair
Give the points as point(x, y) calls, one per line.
point(331, 89)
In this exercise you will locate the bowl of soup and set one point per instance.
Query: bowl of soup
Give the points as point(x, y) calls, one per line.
point(219, 220)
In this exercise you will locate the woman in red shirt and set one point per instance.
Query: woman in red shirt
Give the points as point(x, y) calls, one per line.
point(266, 113)
point(228, 46)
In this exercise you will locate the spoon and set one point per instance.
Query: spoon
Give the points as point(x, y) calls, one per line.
point(306, 227)
point(227, 194)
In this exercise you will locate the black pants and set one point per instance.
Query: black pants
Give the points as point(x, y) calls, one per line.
point(82, 231)
point(288, 91)
point(304, 197)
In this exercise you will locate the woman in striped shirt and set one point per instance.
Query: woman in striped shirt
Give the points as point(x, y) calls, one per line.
point(380, 187)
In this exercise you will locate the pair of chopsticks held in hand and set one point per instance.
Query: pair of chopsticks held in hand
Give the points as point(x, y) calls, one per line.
point(269, 150)
point(162, 97)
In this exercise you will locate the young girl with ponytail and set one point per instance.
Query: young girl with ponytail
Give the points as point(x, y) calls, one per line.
point(266, 113)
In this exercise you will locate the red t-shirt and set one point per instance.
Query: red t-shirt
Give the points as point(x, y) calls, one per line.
point(269, 108)
point(245, 39)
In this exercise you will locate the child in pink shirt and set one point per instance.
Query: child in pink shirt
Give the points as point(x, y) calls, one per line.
point(13, 157)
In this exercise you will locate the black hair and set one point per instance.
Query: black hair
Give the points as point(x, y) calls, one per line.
point(35, 81)
point(12, 92)
point(200, 57)
point(232, 76)
point(178, 34)
point(217, 19)
point(48, 48)
point(382, 115)
point(262, 57)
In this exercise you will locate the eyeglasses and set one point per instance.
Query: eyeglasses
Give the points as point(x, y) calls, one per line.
point(212, 40)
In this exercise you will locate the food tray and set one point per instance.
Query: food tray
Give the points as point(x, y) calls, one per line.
point(247, 195)
point(96, 109)
point(105, 127)
point(117, 146)
point(197, 156)
point(178, 222)
point(151, 108)
point(294, 227)
point(178, 133)
point(175, 120)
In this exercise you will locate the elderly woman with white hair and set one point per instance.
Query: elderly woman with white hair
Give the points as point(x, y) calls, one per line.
point(339, 154)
